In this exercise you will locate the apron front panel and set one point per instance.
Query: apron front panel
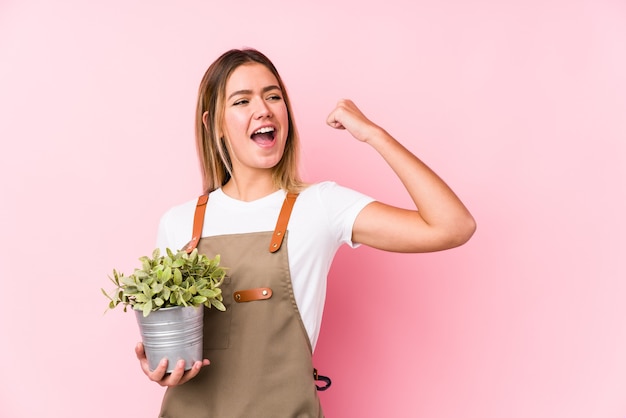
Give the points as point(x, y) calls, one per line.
point(259, 351)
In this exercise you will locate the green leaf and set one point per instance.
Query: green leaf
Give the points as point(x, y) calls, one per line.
point(178, 277)
point(116, 278)
point(145, 288)
point(209, 293)
point(141, 298)
point(147, 308)
point(198, 300)
point(106, 294)
point(145, 264)
point(218, 305)
point(131, 290)
point(128, 281)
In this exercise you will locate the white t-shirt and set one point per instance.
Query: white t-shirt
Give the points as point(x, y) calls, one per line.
point(321, 221)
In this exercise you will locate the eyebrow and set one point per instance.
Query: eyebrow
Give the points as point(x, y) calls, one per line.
point(265, 90)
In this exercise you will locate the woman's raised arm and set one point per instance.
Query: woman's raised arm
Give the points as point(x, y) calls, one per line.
point(439, 221)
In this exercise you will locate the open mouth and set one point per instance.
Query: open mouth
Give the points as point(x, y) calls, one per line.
point(264, 135)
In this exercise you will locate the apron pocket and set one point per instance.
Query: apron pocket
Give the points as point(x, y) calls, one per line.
point(217, 323)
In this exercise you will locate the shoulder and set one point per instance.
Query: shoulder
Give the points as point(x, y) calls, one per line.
point(331, 195)
point(175, 225)
point(185, 211)
point(327, 190)
point(180, 212)
point(331, 203)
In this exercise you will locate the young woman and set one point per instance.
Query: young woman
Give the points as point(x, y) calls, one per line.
point(278, 236)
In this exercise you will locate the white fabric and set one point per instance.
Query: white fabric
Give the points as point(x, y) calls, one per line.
point(320, 223)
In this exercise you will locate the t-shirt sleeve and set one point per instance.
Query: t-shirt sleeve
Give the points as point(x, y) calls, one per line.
point(163, 239)
point(343, 206)
point(175, 227)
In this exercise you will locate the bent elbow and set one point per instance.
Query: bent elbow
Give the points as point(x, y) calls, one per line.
point(464, 231)
point(453, 235)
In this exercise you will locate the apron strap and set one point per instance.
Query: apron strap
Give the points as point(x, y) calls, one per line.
point(277, 236)
point(283, 220)
point(198, 222)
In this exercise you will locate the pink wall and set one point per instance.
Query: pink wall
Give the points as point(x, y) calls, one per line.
point(520, 107)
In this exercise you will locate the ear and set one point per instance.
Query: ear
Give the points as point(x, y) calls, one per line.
point(205, 122)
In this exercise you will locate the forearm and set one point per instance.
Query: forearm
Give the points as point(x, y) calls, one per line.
point(438, 205)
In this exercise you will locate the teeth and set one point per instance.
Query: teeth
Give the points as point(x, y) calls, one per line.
point(264, 130)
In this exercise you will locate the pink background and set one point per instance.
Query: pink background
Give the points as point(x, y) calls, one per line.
point(521, 107)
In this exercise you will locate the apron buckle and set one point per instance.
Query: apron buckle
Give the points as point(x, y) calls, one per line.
point(319, 378)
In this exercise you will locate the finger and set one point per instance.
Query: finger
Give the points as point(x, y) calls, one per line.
point(193, 372)
point(140, 352)
point(336, 125)
point(174, 378)
point(332, 121)
point(157, 374)
point(143, 360)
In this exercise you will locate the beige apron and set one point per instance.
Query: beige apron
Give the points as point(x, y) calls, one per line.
point(259, 350)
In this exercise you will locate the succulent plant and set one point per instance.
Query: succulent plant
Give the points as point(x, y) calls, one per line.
point(174, 279)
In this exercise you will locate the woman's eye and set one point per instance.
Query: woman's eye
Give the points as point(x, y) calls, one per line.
point(240, 102)
point(274, 97)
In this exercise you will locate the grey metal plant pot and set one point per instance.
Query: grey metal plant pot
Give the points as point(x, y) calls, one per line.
point(174, 333)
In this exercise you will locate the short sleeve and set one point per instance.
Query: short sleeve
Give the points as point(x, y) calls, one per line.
point(343, 205)
point(175, 227)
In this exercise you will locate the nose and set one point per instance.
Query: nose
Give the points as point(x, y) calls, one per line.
point(262, 110)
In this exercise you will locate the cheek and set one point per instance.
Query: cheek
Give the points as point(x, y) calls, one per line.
point(284, 119)
point(234, 124)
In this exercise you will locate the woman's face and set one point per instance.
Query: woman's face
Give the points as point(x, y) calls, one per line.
point(256, 122)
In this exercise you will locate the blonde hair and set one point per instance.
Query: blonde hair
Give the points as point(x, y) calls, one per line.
point(215, 162)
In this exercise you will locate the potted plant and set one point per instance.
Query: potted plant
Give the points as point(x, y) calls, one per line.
point(168, 294)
